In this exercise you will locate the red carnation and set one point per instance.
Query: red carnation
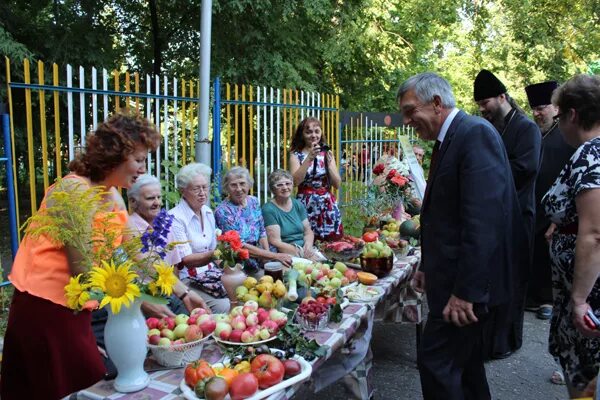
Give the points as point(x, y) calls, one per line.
point(399, 180)
point(391, 174)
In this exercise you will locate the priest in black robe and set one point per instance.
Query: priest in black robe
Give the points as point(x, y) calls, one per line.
point(522, 141)
point(555, 154)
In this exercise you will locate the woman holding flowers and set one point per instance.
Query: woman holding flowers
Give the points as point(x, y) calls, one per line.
point(313, 167)
point(194, 226)
point(241, 212)
point(49, 350)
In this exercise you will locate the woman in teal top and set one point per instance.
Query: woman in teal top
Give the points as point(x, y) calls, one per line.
point(286, 221)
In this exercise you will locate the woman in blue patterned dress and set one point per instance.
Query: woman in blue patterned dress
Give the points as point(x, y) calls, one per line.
point(572, 204)
point(314, 170)
point(242, 213)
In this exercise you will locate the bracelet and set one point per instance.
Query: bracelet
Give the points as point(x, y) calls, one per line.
point(184, 295)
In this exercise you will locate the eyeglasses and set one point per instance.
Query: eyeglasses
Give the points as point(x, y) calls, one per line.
point(199, 189)
point(556, 118)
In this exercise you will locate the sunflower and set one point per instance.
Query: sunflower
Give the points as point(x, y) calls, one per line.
point(117, 283)
point(165, 279)
point(76, 293)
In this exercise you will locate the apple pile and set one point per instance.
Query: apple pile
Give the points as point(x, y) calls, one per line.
point(376, 249)
point(249, 323)
point(324, 277)
point(169, 331)
point(266, 292)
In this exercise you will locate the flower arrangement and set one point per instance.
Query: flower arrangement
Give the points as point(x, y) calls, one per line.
point(392, 179)
point(114, 272)
point(229, 249)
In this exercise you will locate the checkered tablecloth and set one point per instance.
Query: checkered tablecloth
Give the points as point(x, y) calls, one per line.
point(347, 342)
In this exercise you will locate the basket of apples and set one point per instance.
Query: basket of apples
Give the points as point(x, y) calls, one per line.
point(177, 341)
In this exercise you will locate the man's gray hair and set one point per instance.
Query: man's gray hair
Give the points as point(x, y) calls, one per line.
point(427, 85)
point(236, 173)
point(278, 175)
point(189, 172)
point(143, 180)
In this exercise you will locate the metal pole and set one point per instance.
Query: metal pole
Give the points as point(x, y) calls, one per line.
point(202, 142)
point(10, 186)
point(216, 145)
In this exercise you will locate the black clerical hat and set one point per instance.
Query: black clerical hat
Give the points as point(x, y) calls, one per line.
point(487, 85)
point(540, 94)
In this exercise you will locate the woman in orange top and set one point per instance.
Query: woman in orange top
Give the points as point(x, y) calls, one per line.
point(50, 351)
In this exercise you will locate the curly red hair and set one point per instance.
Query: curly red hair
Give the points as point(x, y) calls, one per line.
point(112, 142)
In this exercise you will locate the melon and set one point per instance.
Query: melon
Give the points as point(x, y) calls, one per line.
point(410, 229)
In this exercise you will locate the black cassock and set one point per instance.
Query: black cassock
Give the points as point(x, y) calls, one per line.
point(522, 140)
point(555, 154)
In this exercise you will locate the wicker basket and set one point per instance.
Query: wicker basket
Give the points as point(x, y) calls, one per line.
point(178, 355)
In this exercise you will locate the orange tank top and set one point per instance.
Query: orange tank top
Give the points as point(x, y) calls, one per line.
point(41, 267)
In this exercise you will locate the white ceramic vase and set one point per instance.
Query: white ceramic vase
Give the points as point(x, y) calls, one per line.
point(125, 338)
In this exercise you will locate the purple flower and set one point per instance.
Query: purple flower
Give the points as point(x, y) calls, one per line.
point(156, 237)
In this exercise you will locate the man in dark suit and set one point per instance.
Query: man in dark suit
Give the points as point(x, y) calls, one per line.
point(555, 154)
point(522, 140)
point(468, 222)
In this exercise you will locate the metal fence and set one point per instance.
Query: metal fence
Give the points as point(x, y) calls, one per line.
point(255, 126)
point(50, 117)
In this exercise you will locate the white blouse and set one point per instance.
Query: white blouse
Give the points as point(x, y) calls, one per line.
point(187, 227)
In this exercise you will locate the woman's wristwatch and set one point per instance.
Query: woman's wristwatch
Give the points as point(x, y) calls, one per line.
point(184, 295)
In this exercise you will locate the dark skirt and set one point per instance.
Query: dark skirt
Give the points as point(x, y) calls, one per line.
point(49, 351)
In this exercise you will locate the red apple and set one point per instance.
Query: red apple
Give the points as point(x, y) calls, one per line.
point(236, 336)
point(193, 333)
point(207, 325)
point(263, 315)
point(154, 339)
point(152, 323)
point(168, 334)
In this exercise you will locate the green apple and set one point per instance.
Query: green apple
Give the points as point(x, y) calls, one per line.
point(340, 266)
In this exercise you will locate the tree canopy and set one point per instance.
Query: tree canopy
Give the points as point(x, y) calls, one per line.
point(359, 49)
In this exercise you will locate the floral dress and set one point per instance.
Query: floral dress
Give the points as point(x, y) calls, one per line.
point(579, 356)
point(322, 209)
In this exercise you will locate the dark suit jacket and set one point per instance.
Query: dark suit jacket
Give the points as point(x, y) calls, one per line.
point(470, 218)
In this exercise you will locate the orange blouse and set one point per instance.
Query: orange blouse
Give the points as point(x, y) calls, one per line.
point(41, 267)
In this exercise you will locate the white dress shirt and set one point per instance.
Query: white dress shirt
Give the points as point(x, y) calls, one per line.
point(187, 227)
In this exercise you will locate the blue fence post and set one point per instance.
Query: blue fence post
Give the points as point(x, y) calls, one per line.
point(217, 132)
point(10, 185)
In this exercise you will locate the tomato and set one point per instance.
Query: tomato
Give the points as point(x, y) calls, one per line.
point(292, 368)
point(268, 369)
point(243, 386)
point(197, 371)
point(370, 236)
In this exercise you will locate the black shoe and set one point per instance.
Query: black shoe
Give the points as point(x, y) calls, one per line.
point(502, 356)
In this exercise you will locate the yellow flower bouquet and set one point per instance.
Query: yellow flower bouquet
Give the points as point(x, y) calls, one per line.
point(115, 273)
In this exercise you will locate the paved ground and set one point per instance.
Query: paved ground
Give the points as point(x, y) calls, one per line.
point(525, 375)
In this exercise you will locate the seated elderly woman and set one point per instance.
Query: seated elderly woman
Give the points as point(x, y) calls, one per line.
point(194, 224)
point(241, 212)
point(286, 220)
point(145, 200)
